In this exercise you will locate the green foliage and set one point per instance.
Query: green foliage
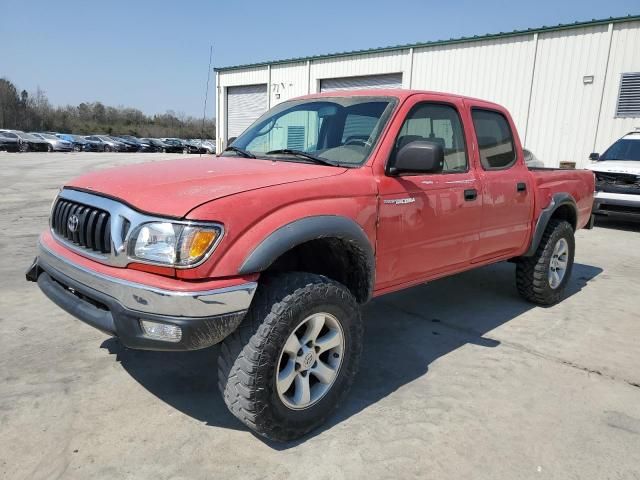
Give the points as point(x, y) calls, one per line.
point(33, 112)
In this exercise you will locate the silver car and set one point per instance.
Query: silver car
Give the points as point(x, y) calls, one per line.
point(108, 143)
point(55, 144)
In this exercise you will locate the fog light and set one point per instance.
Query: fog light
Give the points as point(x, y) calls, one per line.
point(161, 331)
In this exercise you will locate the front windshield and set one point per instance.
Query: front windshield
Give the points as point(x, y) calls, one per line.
point(49, 136)
point(29, 136)
point(625, 149)
point(341, 130)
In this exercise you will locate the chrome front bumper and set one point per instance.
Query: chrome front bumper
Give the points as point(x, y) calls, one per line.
point(119, 307)
point(144, 298)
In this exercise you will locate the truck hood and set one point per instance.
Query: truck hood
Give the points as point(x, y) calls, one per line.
point(614, 166)
point(173, 188)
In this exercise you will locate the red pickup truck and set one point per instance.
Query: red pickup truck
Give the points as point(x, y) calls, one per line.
point(270, 248)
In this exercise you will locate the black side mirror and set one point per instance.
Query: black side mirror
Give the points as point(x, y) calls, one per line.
point(594, 156)
point(418, 157)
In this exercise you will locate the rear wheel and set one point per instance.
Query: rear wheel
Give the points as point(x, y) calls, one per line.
point(294, 357)
point(543, 277)
point(24, 147)
point(107, 148)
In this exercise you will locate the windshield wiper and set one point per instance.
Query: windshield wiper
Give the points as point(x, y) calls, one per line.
point(300, 153)
point(239, 150)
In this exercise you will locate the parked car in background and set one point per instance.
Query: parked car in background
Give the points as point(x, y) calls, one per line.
point(142, 144)
point(107, 144)
point(617, 173)
point(155, 144)
point(77, 141)
point(200, 146)
point(56, 144)
point(93, 145)
point(27, 142)
point(531, 160)
point(9, 143)
point(174, 145)
point(129, 145)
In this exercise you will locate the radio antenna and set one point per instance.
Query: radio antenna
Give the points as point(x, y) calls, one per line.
point(206, 97)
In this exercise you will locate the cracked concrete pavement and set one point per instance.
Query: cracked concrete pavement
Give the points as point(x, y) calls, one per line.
point(460, 377)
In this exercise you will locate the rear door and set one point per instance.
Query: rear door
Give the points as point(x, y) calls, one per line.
point(507, 189)
point(429, 223)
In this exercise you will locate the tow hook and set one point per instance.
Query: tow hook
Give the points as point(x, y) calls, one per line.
point(33, 271)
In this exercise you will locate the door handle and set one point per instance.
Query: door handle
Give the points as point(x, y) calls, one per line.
point(470, 194)
point(521, 187)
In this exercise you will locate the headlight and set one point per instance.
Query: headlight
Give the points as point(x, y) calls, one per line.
point(173, 244)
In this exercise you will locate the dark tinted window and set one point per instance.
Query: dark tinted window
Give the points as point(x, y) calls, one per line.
point(624, 149)
point(439, 124)
point(495, 141)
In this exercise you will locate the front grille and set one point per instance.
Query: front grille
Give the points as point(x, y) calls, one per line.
point(93, 230)
point(613, 182)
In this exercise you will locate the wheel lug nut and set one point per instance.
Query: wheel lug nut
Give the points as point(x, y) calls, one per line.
point(315, 364)
point(317, 349)
point(336, 355)
point(304, 374)
point(300, 352)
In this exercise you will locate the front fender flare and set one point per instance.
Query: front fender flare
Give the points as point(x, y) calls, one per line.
point(306, 229)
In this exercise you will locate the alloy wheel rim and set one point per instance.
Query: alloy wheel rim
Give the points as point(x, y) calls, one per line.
point(558, 264)
point(310, 361)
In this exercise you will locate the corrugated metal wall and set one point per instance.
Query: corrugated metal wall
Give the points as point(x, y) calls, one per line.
point(624, 57)
point(495, 70)
point(564, 110)
point(560, 86)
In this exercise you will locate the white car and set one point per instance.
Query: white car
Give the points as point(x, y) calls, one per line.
point(617, 173)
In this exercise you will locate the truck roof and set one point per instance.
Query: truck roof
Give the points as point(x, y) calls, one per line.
point(399, 93)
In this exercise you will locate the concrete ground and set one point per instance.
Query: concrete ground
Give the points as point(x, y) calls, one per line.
point(460, 378)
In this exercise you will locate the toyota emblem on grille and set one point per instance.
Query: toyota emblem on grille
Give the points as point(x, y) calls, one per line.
point(72, 223)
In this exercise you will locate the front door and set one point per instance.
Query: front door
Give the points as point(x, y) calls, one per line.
point(428, 223)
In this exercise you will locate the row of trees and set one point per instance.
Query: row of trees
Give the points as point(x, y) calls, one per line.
point(33, 112)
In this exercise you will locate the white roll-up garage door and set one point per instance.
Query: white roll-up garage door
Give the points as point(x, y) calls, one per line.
point(392, 80)
point(244, 105)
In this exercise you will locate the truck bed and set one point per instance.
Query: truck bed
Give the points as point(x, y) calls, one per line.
point(580, 184)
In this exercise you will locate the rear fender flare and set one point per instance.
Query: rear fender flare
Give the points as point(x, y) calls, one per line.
point(557, 200)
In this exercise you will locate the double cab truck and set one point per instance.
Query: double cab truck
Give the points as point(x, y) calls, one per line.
point(270, 249)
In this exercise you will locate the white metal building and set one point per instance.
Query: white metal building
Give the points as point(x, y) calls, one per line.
point(572, 89)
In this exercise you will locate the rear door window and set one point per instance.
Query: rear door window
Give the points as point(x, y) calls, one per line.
point(495, 139)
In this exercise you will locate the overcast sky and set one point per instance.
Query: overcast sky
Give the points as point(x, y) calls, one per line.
point(153, 55)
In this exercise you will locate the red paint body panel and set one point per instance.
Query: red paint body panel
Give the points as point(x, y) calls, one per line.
point(436, 234)
point(174, 187)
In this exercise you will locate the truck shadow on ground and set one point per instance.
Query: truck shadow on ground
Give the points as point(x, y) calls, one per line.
point(404, 333)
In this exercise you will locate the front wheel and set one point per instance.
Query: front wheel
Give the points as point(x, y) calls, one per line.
point(294, 357)
point(543, 277)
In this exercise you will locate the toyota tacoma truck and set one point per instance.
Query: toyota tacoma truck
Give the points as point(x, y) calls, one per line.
point(270, 249)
